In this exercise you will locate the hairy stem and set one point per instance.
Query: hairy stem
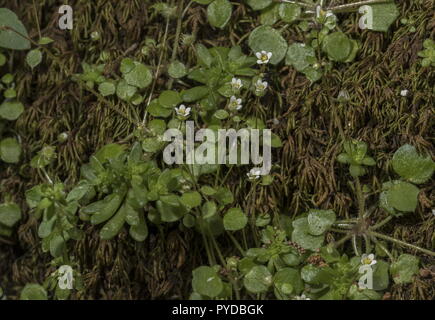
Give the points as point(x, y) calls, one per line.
point(400, 242)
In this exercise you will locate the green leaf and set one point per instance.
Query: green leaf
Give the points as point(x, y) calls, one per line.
point(109, 151)
point(270, 15)
point(191, 199)
point(33, 58)
point(2, 60)
point(8, 38)
point(219, 13)
point(224, 196)
point(156, 110)
point(381, 278)
point(177, 70)
point(289, 276)
point(384, 14)
point(107, 89)
point(259, 4)
point(338, 46)
point(206, 281)
point(258, 279)
point(403, 196)
point(140, 76)
point(169, 99)
point(10, 150)
point(289, 12)
point(301, 235)
point(124, 91)
point(221, 114)
point(203, 1)
point(235, 220)
point(204, 56)
point(404, 269)
point(209, 209)
point(411, 166)
point(139, 232)
point(33, 291)
point(170, 208)
point(319, 221)
point(298, 55)
point(45, 40)
point(194, 94)
point(11, 110)
point(265, 38)
point(127, 65)
point(10, 214)
point(57, 246)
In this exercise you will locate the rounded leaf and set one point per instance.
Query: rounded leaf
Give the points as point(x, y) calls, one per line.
point(412, 166)
point(219, 13)
point(258, 279)
point(267, 39)
point(235, 220)
point(206, 282)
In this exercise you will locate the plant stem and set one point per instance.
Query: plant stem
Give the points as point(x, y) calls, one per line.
point(306, 5)
point(360, 198)
point(236, 243)
point(383, 248)
point(354, 245)
point(357, 4)
point(342, 240)
point(37, 19)
point(382, 223)
point(400, 242)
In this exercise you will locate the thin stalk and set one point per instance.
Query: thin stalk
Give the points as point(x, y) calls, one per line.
point(354, 245)
point(338, 230)
point(382, 223)
point(383, 248)
point(368, 244)
point(220, 255)
point(211, 261)
point(400, 242)
point(37, 19)
point(357, 4)
point(236, 243)
point(360, 197)
point(302, 4)
point(342, 240)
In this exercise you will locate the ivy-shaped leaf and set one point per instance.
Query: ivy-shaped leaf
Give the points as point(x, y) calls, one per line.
point(301, 235)
point(219, 13)
point(319, 221)
point(404, 269)
point(206, 281)
point(258, 279)
point(235, 219)
point(412, 166)
point(267, 39)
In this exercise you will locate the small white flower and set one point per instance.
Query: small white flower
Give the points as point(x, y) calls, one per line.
point(368, 259)
point(236, 84)
point(263, 57)
point(261, 85)
point(404, 93)
point(235, 103)
point(254, 174)
point(182, 111)
point(65, 278)
point(301, 297)
point(320, 13)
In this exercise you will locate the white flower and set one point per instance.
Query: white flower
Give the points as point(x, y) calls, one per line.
point(404, 93)
point(236, 84)
point(65, 278)
point(261, 85)
point(368, 259)
point(254, 174)
point(301, 297)
point(263, 57)
point(182, 111)
point(235, 104)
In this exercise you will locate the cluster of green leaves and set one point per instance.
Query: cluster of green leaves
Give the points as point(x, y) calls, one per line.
point(401, 196)
point(135, 77)
point(57, 210)
point(428, 53)
point(121, 187)
point(281, 268)
point(215, 70)
point(355, 155)
point(323, 36)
